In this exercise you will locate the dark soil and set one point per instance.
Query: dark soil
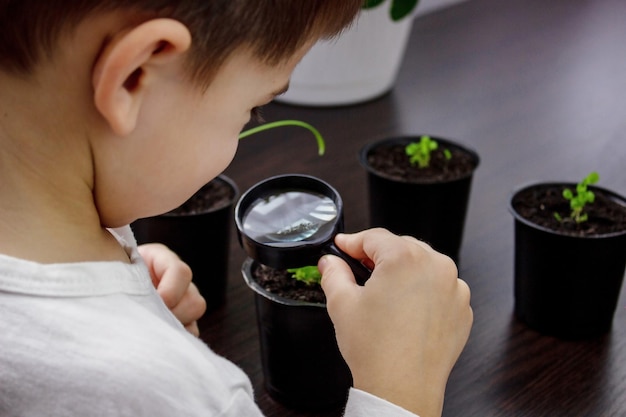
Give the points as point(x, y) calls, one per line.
point(280, 282)
point(538, 205)
point(392, 161)
point(212, 196)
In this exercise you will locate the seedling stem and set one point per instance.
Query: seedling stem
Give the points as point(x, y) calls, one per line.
point(321, 146)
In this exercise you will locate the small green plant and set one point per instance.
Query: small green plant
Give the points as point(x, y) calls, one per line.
point(321, 146)
point(578, 201)
point(307, 274)
point(420, 152)
point(399, 8)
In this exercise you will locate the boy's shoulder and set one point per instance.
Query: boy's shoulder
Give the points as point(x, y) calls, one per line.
point(74, 355)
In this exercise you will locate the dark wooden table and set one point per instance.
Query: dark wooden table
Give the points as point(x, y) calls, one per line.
point(538, 88)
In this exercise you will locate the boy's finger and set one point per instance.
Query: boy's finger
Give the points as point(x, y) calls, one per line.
point(374, 243)
point(193, 328)
point(174, 283)
point(190, 307)
point(354, 244)
point(369, 244)
point(337, 279)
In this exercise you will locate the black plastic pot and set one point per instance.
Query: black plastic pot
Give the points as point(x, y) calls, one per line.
point(430, 211)
point(302, 365)
point(201, 239)
point(567, 286)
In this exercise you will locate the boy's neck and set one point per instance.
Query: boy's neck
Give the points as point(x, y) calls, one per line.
point(47, 213)
point(50, 247)
point(52, 228)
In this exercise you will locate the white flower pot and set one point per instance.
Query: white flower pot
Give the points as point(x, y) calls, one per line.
point(360, 65)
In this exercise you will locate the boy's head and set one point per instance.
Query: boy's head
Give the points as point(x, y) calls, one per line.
point(141, 101)
point(274, 30)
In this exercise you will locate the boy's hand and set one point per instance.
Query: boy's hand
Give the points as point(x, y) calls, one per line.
point(402, 332)
point(172, 279)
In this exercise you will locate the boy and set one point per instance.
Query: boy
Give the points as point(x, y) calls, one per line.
point(115, 110)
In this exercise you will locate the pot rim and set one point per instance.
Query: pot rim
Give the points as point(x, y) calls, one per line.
point(224, 179)
point(246, 271)
point(407, 138)
point(609, 193)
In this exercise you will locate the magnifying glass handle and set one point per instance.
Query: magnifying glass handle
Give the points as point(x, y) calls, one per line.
point(360, 271)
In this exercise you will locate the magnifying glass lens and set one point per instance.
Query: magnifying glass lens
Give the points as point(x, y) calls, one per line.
point(289, 221)
point(290, 216)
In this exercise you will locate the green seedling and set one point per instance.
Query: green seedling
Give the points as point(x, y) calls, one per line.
point(399, 8)
point(580, 199)
point(321, 146)
point(420, 152)
point(307, 274)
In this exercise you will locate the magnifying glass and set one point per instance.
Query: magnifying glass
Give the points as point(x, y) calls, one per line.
point(289, 221)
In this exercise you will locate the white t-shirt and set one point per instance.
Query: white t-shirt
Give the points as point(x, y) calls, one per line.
point(95, 339)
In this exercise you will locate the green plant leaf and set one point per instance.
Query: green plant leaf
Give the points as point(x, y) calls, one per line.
point(576, 203)
point(590, 197)
point(307, 274)
point(370, 4)
point(568, 194)
point(419, 152)
point(592, 178)
point(399, 8)
point(402, 8)
point(583, 196)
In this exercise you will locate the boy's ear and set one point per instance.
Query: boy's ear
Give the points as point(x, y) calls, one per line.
point(120, 70)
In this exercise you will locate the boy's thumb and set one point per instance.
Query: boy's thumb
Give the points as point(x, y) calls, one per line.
point(336, 275)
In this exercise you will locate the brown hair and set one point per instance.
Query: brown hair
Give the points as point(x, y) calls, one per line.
point(274, 29)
